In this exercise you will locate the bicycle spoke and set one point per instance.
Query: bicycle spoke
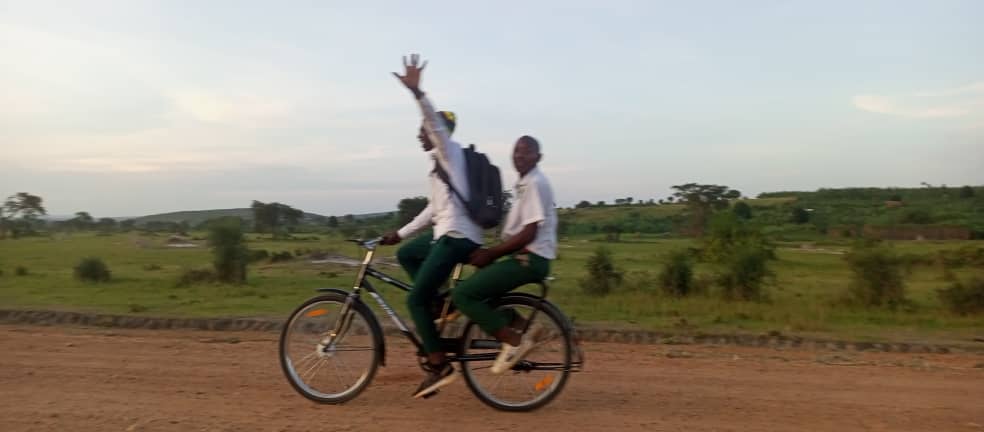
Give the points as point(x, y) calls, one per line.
point(337, 372)
point(312, 371)
point(305, 359)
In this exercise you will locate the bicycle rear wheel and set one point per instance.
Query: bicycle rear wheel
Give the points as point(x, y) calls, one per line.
point(336, 372)
point(534, 381)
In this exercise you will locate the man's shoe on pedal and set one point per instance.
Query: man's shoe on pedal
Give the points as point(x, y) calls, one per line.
point(437, 376)
point(510, 355)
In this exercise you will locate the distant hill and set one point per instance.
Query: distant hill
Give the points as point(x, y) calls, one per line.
point(195, 217)
point(827, 208)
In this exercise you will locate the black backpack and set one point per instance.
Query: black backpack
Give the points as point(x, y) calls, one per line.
point(484, 187)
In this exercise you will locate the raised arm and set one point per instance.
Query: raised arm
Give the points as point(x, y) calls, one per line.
point(436, 130)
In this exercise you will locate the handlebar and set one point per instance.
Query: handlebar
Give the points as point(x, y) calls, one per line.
point(368, 244)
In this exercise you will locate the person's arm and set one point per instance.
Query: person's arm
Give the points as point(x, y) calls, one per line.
point(419, 222)
point(434, 127)
point(531, 213)
point(483, 257)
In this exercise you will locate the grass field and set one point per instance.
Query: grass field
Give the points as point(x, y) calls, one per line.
point(802, 300)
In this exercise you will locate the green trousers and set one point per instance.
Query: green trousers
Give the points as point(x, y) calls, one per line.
point(429, 264)
point(472, 294)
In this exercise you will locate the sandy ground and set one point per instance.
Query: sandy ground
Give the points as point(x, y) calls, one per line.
point(78, 379)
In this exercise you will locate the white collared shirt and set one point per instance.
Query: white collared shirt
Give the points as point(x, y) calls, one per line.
point(534, 204)
point(444, 209)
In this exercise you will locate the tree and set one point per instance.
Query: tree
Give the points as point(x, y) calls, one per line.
point(732, 194)
point(348, 219)
point(601, 204)
point(81, 221)
point(274, 216)
point(800, 216)
point(128, 224)
point(20, 212)
point(613, 232)
point(966, 192)
point(333, 222)
point(408, 208)
point(742, 210)
point(106, 224)
point(619, 201)
point(669, 200)
point(629, 200)
point(702, 200)
point(583, 204)
point(24, 206)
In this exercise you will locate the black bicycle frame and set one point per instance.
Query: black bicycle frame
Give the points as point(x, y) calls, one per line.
point(361, 283)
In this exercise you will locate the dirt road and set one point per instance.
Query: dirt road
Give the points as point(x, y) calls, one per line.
point(131, 380)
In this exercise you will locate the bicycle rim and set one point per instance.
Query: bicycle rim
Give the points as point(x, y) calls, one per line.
point(520, 389)
point(342, 370)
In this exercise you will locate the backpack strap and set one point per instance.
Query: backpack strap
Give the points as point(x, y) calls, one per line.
point(443, 175)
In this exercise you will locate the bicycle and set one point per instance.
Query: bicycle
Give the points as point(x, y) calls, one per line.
point(337, 323)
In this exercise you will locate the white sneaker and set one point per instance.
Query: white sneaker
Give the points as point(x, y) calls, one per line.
point(510, 355)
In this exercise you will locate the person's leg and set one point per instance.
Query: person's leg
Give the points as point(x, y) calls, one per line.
point(445, 253)
point(413, 253)
point(493, 281)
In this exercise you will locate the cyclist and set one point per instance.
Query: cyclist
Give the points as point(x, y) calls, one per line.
point(529, 243)
point(430, 259)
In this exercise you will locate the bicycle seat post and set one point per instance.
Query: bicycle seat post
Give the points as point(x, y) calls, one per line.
point(455, 277)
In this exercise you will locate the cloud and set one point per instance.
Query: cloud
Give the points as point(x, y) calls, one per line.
point(239, 109)
point(961, 101)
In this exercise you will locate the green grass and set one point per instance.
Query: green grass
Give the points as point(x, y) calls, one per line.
point(803, 299)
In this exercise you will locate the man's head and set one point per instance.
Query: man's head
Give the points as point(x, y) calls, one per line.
point(450, 120)
point(526, 154)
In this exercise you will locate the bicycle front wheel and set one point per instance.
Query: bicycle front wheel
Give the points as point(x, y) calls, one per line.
point(534, 381)
point(337, 371)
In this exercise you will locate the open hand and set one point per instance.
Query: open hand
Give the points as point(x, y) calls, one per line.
point(411, 74)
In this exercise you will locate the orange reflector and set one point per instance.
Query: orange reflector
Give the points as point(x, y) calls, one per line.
point(316, 313)
point(544, 383)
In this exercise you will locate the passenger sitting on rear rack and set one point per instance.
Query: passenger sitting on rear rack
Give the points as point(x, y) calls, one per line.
point(530, 241)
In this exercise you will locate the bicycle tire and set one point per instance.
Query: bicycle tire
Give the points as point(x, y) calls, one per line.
point(361, 310)
point(566, 336)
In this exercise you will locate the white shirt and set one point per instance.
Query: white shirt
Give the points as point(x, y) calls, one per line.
point(444, 209)
point(534, 204)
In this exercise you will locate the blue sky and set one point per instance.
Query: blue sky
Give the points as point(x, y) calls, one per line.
point(132, 107)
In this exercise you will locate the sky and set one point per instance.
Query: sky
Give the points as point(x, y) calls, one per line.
point(127, 108)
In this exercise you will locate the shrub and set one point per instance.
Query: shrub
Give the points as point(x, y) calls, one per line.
point(677, 275)
point(726, 233)
point(228, 250)
point(964, 298)
point(21, 271)
point(917, 216)
point(602, 276)
point(746, 270)
point(152, 267)
point(742, 210)
point(876, 276)
point(258, 255)
point(281, 256)
point(92, 269)
point(195, 276)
